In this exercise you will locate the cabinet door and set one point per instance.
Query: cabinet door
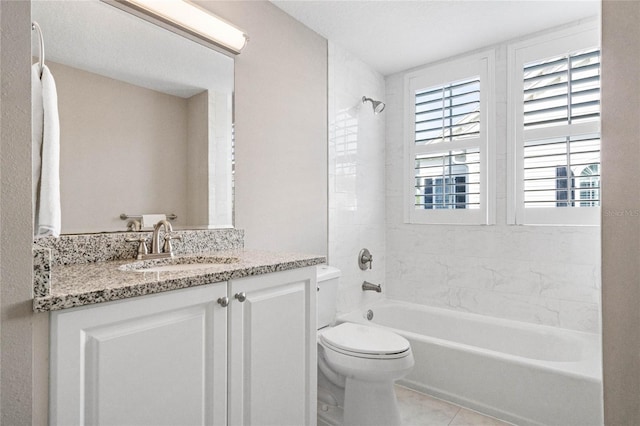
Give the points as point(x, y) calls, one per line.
point(272, 349)
point(153, 360)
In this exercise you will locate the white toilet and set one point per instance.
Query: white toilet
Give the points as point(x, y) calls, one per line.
point(357, 365)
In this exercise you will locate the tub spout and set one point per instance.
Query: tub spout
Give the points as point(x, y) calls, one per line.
point(369, 286)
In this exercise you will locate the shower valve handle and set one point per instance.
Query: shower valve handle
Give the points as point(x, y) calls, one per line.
point(365, 259)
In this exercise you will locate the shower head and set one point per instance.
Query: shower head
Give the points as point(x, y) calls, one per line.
point(378, 106)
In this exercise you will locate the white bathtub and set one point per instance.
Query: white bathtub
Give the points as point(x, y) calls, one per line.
point(522, 373)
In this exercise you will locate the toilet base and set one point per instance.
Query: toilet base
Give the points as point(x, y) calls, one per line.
point(381, 409)
point(330, 415)
point(370, 403)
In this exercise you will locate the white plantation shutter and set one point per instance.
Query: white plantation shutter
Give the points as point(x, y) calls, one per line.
point(557, 131)
point(450, 179)
point(562, 90)
point(449, 112)
point(556, 169)
point(558, 93)
point(447, 142)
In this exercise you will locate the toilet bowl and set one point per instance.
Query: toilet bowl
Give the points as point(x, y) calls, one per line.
point(357, 365)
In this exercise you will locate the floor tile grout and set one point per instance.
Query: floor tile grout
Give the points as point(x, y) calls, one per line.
point(439, 410)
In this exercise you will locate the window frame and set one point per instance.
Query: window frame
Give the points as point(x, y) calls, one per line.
point(480, 64)
point(582, 36)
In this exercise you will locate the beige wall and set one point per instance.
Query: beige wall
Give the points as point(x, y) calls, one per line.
point(16, 347)
point(621, 211)
point(123, 149)
point(281, 129)
point(281, 177)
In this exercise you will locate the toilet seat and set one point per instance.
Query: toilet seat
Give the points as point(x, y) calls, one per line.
point(365, 342)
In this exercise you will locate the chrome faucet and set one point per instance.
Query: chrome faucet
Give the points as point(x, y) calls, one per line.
point(167, 249)
point(369, 286)
point(156, 253)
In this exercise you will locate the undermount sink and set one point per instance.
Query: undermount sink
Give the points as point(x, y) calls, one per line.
point(178, 264)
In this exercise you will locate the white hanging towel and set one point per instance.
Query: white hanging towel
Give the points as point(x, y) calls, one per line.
point(37, 119)
point(48, 216)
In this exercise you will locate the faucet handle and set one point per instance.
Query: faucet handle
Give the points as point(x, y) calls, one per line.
point(134, 225)
point(167, 247)
point(365, 259)
point(142, 246)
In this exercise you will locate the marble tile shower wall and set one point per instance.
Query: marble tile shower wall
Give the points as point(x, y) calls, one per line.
point(544, 275)
point(356, 176)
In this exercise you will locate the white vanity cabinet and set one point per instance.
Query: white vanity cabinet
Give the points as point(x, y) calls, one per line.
point(272, 349)
point(154, 360)
point(182, 358)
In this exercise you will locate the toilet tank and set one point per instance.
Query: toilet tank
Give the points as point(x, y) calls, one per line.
point(328, 279)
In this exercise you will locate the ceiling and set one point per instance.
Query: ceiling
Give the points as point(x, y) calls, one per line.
point(396, 35)
point(99, 38)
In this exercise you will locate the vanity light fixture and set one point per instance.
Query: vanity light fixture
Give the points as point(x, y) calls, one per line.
point(189, 20)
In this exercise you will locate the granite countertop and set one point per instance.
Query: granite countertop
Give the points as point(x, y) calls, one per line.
point(90, 283)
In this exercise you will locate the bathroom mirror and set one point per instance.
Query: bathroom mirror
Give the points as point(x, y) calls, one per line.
point(145, 119)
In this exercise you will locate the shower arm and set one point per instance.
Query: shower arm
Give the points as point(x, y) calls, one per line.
point(378, 106)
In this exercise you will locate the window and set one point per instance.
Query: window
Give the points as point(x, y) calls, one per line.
point(447, 142)
point(448, 181)
point(590, 186)
point(555, 102)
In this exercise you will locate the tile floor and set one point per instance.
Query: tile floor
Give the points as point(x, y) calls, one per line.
point(417, 409)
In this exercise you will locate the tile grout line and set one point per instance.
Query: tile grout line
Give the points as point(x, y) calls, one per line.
point(459, 407)
point(455, 415)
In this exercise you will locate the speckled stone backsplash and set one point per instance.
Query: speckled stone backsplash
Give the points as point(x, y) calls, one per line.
point(90, 248)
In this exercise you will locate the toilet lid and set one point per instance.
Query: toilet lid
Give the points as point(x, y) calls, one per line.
point(362, 339)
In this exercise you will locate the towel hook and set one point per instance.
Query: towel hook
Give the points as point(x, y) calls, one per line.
point(36, 27)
